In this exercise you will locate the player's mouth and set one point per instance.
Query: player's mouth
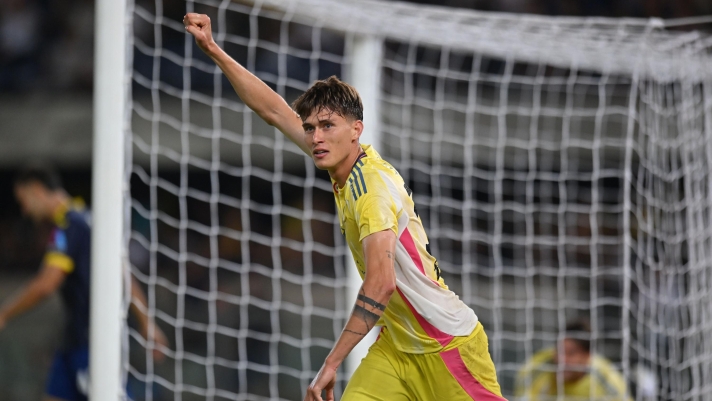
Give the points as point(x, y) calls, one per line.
point(320, 153)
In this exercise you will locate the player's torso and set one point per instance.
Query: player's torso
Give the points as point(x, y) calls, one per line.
point(74, 229)
point(423, 315)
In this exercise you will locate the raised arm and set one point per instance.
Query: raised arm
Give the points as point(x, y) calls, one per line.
point(373, 296)
point(259, 97)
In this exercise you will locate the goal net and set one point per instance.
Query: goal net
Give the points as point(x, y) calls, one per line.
point(561, 167)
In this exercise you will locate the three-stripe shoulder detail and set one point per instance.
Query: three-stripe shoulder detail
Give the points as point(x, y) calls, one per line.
point(358, 181)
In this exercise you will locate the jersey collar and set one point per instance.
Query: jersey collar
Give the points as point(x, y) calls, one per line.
point(368, 151)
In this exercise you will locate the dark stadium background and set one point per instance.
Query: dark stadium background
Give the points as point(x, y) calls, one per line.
point(45, 114)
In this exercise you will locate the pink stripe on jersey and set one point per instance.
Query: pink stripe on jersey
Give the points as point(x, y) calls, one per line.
point(407, 240)
point(473, 388)
point(432, 331)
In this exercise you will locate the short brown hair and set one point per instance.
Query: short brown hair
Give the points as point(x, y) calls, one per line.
point(579, 331)
point(332, 94)
point(42, 173)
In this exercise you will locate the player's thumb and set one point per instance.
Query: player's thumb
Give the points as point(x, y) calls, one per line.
point(330, 395)
point(192, 29)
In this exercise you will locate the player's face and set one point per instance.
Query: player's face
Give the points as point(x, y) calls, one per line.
point(575, 360)
point(30, 196)
point(331, 138)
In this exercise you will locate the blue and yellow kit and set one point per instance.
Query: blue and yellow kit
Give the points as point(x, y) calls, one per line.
point(69, 249)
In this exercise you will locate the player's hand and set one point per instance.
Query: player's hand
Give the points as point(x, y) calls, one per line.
point(199, 26)
point(324, 380)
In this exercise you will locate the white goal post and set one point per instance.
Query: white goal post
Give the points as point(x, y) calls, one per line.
point(561, 167)
point(108, 255)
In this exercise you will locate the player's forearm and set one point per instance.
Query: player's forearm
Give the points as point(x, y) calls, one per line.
point(255, 93)
point(369, 307)
point(32, 295)
point(259, 97)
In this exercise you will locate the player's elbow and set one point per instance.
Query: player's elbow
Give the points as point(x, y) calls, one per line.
point(385, 288)
point(388, 288)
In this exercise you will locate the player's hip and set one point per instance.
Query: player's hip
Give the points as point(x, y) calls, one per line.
point(465, 372)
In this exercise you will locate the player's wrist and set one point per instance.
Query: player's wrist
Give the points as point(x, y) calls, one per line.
point(212, 49)
point(332, 363)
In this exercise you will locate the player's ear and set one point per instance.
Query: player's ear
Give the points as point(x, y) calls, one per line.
point(356, 129)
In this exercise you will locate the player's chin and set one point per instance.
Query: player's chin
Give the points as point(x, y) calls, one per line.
point(322, 163)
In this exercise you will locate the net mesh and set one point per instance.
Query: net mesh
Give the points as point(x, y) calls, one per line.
point(561, 167)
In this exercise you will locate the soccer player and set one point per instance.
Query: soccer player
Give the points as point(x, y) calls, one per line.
point(582, 376)
point(65, 268)
point(431, 346)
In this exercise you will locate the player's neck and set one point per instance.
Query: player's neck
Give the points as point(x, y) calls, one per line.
point(341, 172)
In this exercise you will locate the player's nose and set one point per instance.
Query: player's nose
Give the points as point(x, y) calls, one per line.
point(318, 136)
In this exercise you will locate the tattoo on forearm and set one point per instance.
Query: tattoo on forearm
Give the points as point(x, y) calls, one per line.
point(372, 302)
point(368, 317)
point(355, 332)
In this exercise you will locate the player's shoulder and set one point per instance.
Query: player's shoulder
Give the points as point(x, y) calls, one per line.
point(76, 224)
point(602, 363)
point(605, 367)
point(78, 218)
point(538, 367)
point(545, 355)
point(376, 170)
point(539, 360)
point(609, 377)
point(370, 178)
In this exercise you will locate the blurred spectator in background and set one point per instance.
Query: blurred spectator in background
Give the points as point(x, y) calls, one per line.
point(66, 267)
point(72, 56)
point(49, 43)
point(20, 37)
point(571, 370)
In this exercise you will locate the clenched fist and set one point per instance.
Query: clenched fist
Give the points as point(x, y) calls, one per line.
point(199, 26)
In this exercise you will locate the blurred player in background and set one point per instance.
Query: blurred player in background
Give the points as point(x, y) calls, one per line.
point(572, 371)
point(65, 267)
point(431, 345)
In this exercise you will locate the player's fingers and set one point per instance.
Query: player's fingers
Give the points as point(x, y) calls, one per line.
point(199, 20)
point(189, 19)
point(192, 29)
point(330, 394)
point(313, 395)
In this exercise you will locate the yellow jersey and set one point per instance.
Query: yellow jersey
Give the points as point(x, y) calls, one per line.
point(423, 314)
point(537, 381)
